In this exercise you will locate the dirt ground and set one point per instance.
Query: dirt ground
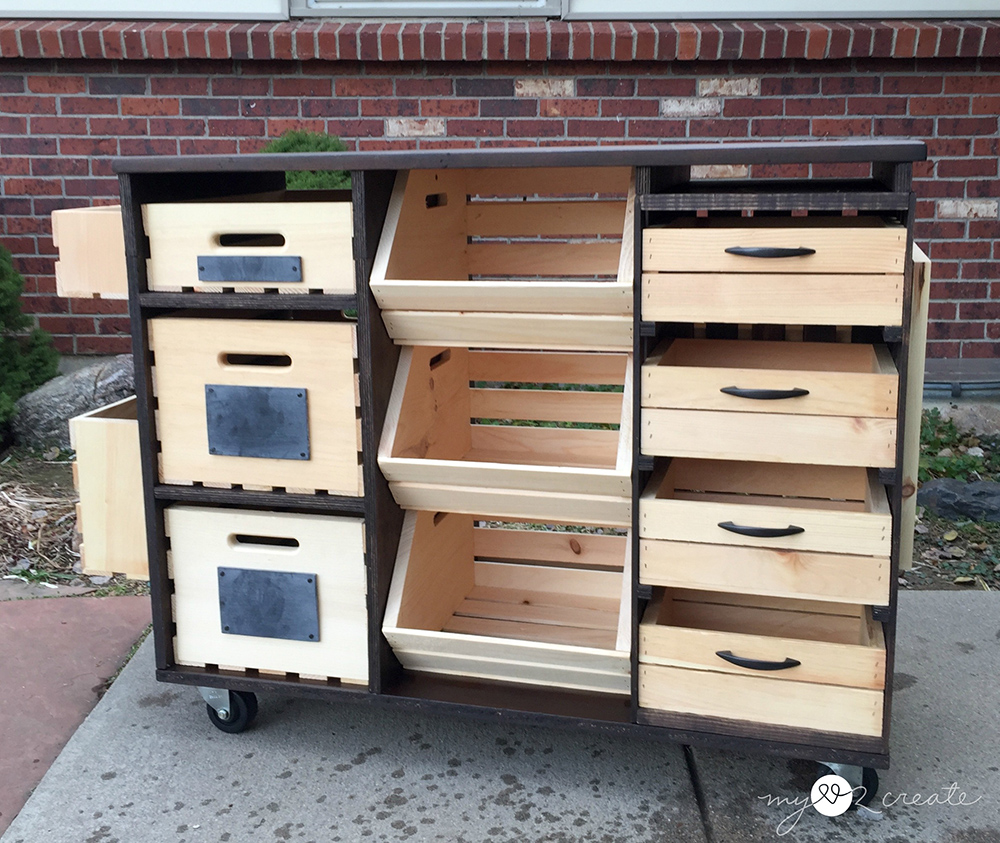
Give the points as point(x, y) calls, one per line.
point(38, 538)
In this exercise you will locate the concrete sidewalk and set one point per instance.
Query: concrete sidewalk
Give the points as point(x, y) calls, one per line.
point(147, 766)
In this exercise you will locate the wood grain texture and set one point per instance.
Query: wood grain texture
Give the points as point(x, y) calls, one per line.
point(449, 613)
point(320, 233)
point(108, 478)
point(330, 547)
point(682, 633)
point(842, 245)
point(773, 299)
point(91, 245)
point(189, 355)
point(842, 379)
point(752, 698)
point(766, 571)
point(914, 404)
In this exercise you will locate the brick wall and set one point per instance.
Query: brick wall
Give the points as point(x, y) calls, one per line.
point(72, 97)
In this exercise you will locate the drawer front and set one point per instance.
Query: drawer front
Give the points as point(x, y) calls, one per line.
point(765, 571)
point(826, 708)
point(841, 249)
point(329, 549)
point(812, 440)
point(773, 299)
point(823, 531)
point(203, 439)
point(817, 379)
point(294, 247)
point(826, 645)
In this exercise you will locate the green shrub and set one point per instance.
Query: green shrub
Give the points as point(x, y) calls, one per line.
point(938, 433)
point(297, 141)
point(27, 357)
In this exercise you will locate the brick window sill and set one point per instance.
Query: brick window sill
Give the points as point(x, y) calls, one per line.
point(498, 40)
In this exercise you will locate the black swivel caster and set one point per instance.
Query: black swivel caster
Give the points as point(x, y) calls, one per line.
point(230, 711)
point(864, 780)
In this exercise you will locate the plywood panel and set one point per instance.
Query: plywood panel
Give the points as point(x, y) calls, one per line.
point(91, 247)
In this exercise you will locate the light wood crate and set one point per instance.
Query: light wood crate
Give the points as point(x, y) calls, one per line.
point(204, 539)
point(319, 357)
point(837, 685)
point(314, 226)
point(847, 415)
point(508, 258)
point(518, 605)
point(855, 276)
point(110, 514)
point(436, 459)
point(91, 247)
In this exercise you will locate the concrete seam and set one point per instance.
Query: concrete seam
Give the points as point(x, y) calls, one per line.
point(699, 793)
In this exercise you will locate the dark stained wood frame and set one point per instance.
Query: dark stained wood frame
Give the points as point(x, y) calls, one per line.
point(662, 180)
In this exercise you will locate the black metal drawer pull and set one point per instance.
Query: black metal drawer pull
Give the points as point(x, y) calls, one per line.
point(769, 251)
point(764, 394)
point(762, 532)
point(756, 664)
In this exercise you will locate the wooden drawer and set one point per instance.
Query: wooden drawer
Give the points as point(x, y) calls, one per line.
point(785, 663)
point(91, 247)
point(540, 607)
point(838, 577)
point(315, 359)
point(448, 446)
point(326, 549)
point(814, 403)
point(293, 242)
point(509, 258)
point(822, 509)
point(853, 277)
point(110, 515)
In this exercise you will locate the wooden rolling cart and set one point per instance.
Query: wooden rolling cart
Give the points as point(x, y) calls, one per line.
point(567, 436)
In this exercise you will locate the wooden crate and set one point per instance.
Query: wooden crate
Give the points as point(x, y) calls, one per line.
point(448, 446)
point(717, 399)
point(110, 515)
point(854, 277)
point(689, 640)
point(518, 605)
point(314, 226)
point(330, 548)
point(91, 247)
point(508, 258)
point(838, 509)
point(317, 357)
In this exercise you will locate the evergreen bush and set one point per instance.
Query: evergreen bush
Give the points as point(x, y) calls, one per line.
point(298, 141)
point(27, 357)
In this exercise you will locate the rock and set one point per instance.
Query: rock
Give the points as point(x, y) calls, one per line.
point(946, 452)
point(42, 417)
point(951, 498)
point(99, 580)
point(981, 418)
point(976, 451)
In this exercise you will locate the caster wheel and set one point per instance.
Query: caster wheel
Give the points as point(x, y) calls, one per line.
point(869, 781)
point(243, 710)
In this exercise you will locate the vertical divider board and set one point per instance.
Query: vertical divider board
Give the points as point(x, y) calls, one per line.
point(377, 359)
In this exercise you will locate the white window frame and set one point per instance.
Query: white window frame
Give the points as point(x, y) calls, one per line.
point(425, 8)
point(750, 10)
point(151, 10)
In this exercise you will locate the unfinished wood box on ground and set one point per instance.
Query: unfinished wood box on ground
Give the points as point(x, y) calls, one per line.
point(218, 384)
point(780, 662)
point(520, 605)
point(793, 402)
point(323, 554)
point(91, 247)
point(292, 242)
point(774, 270)
point(822, 533)
point(505, 444)
point(110, 515)
point(508, 258)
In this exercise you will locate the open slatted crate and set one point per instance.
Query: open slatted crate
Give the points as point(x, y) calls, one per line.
point(516, 433)
point(536, 606)
point(508, 258)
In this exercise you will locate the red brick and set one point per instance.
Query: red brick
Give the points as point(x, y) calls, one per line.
point(568, 107)
point(972, 40)
point(277, 127)
point(254, 86)
point(942, 310)
point(939, 105)
point(329, 108)
point(386, 107)
point(475, 128)
point(966, 167)
point(28, 146)
point(91, 187)
point(56, 84)
point(88, 105)
point(984, 229)
point(955, 331)
point(208, 146)
point(367, 41)
point(911, 84)
point(449, 108)
point(967, 126)
point(959, 290)
point(82, 307)
point(424, 87)
point(623, 48)
point(645, 41)
point(535, 128)
point(364, 87)
point(184, 86)
point(789, 86)
point(942, 350)
point(876, 105)
point(103, 345)
point(986, 105)
point(959, 250)
point(305, 41)
point(630, 108)
point(754, 107)
point(453, 40)
point(388, 42)
point(916, 127)
point(61, 166)
point(508, 108)
point(14, 167)
point(29, 105)
point(815, 106)
point(177, 126)
point(656, 128)
point(31, 187)
point(595, 128)
point(66, 324)
point(148, 146)
point(779, 128)
point(226, 127)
